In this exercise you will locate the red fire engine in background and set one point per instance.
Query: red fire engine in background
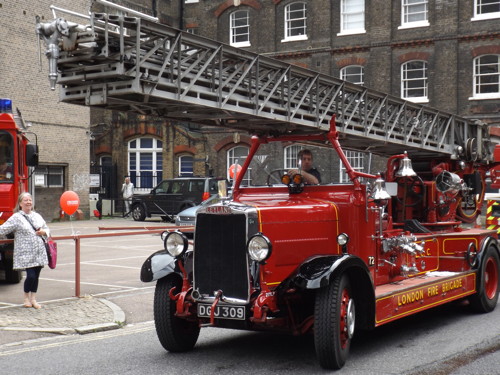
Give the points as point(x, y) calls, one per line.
point(16, 156)
point(283, 255)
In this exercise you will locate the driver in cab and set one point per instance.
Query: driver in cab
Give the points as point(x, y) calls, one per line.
point(310, 174)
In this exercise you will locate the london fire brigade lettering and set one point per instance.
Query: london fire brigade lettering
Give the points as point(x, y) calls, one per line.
point(410, 297)
point(450, 285)
point(420, 295)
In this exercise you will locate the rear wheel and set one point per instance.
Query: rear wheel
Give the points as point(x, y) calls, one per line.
point(334, 323)
point(175, 334)
point(138, 213)
point(11, 276)
point(485, 300)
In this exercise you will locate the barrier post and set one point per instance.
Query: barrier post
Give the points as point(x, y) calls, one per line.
point(77, 266)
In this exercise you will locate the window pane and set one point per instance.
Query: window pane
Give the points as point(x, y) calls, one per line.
point(146, 161)
point(353, 73)
point(487, 6)
point(487, 74)
point(414, 10)
point(6, 158)
point(295, 19)
point(291, 153)
point(186, 165)
point(239, 27)
point(353, 15)
point(159, 161)
point(133, 162)
point(146, 142)
point(414, 79)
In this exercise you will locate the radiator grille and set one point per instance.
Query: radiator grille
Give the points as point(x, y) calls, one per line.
point(220, 257)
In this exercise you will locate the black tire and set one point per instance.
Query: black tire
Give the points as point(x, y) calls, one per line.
point(486, 298)
point(11, 276)
point(334, 323)
point(175, 334)
point(138, 212)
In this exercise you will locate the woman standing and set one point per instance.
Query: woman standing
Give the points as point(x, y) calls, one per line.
point(28, 228)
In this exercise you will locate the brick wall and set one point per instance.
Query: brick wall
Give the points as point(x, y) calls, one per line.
point(60, 128)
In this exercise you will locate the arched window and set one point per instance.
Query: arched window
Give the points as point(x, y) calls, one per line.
point(295, 22)
point(185, 165)
point(353, 73)
point(487, 77)
point(238, 154)
point(414, 81)
point(239, 29)
point(291, 153)
point(145, 162)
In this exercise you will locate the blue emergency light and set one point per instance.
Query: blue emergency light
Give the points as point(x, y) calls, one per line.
point(5, 106)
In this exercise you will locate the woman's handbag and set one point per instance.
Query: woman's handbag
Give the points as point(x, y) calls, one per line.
point(51, 247)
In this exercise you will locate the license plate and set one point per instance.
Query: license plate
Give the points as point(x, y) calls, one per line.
point(222, 311)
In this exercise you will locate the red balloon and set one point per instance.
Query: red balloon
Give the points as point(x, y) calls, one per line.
point(232, 168)
point(69, 202)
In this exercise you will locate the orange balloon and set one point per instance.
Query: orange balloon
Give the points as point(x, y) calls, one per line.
point(232, 168)
point(69, 202)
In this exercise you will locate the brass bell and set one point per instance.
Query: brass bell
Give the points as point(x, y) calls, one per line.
point(405, 168)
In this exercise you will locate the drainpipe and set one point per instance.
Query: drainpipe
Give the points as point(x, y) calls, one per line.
point(181, 14)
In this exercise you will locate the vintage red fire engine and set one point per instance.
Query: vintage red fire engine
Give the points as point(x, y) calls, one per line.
point(16, 156)
point(328, 259)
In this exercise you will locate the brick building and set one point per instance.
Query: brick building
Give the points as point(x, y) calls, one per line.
point(444, 54)
point(60, 129)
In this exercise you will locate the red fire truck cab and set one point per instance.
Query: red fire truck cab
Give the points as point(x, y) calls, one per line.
point(328, 259)
point(16, 156)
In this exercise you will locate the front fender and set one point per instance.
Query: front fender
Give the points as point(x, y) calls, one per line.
point(158, 265)
point(317, 272)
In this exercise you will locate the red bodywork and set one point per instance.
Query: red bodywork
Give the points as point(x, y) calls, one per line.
point(9, 191)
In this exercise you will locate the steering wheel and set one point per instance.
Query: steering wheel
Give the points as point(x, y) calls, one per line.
point(274, 177)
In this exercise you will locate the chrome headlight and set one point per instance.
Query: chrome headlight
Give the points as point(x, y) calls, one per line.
point(175, 243)
point(342, 239)
point(259, 248)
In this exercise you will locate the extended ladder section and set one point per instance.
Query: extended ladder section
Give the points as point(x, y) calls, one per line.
point(133, 63)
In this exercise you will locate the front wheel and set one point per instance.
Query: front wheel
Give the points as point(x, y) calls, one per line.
point(334, 323)
point(138, 213)
point(485, 300)
point(175, 334)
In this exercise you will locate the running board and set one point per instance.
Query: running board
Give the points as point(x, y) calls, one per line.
point(407, 297)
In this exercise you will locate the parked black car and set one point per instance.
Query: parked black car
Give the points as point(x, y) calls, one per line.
point(171, 196)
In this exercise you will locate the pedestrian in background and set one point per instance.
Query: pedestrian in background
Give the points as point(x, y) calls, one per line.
point(28, 228)
point(127, 192)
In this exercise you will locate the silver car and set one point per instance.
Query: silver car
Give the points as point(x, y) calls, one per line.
point(187, 218)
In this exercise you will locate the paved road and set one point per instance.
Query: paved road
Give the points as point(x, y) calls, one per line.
point(446, 340)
